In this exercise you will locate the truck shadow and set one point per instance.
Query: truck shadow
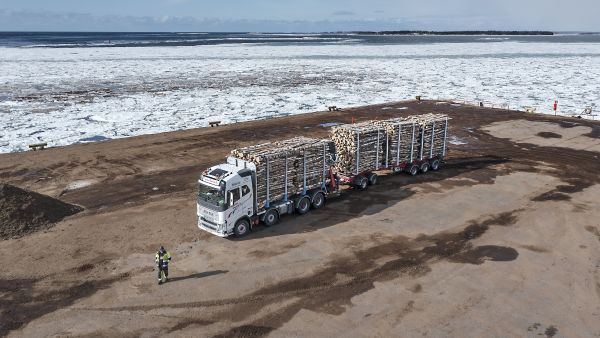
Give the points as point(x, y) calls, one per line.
point(389, 190)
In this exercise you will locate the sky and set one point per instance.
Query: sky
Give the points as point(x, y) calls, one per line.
point(297, 16)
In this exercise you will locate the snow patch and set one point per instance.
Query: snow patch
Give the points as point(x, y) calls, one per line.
point(329, 124)
point(80, 184)
point(456, 141)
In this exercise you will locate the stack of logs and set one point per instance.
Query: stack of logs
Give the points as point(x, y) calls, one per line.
point(359, 146)
point(432, 136)
point(362, 146)
point(270, 160)
point(402, 135)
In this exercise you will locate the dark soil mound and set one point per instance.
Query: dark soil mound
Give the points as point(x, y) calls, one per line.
point(23, 212)
point(548, 134)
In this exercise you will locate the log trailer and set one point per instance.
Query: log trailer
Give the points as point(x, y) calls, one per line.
point(261, 183)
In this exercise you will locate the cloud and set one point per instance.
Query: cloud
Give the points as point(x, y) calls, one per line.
point(343, 21)
point(343, 13)
point(50, 21)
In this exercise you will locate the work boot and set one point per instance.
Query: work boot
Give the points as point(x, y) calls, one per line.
point(159, 282)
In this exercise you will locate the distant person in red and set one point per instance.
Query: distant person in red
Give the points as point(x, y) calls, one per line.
point(162, 258)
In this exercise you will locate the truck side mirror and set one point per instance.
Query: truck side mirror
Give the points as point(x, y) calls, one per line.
point(230, 198)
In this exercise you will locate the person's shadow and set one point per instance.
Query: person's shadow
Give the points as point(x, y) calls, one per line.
point(198, 275)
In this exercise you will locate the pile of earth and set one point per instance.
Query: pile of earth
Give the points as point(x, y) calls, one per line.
point(23, 212)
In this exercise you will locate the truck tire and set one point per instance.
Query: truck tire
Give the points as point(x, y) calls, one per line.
point(372, 177)
point(271, 217)
point(318, 200)
point(424, 167)
point(242, 228)
point(435, 165)
point(413, 170)
point(303, 205)
point(361, 182)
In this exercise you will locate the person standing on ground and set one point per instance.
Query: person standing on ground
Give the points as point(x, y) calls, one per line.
point(163, 257)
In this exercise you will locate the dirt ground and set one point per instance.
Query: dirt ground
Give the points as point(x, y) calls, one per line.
point(503, 241)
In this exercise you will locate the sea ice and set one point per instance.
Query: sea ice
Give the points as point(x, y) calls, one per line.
point(67, 95)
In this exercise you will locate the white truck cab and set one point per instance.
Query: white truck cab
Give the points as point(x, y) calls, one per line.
point(225, 197)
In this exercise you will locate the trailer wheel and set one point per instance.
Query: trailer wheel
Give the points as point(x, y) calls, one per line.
point(425, 167)
point(303, 205)
point(271, 217)
point(413, 170)
point(372, 177)
point(318, 200)
point(435, 165)
point(361, 182)
point(242, 228)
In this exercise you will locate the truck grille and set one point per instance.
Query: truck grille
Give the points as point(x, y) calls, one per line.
point(209, 226)
point(203, 222)
point(208, 221)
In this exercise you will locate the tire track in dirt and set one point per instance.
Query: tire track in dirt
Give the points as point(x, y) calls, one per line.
point(331, 288)
point(22, 302)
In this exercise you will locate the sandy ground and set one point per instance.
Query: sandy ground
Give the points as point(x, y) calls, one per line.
point(503, 241)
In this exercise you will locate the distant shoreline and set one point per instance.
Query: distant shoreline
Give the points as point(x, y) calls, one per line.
point(517, 33)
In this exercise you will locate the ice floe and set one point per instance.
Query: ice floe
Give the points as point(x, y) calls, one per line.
point(69, 95)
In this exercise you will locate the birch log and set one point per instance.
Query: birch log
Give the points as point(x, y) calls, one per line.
point(370, 145)
point(360, 146)
point(432, 137)
point(306, 160)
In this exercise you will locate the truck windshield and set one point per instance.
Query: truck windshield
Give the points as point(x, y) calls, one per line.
point(211, 195)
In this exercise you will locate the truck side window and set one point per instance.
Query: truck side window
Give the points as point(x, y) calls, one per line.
point(245, 190)
point(236, 194)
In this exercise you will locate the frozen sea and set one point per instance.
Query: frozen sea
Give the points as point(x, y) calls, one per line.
point(69, 88)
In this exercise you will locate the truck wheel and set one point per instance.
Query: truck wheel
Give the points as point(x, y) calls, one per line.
point(413, 170)
point(271, 217)
point(303, 205)
point(361, 182)
point(318, 200)
point(372, 177)
point(425, 167)
point(242, 228)
point(435, 165)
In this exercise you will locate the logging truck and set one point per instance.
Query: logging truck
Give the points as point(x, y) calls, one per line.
point(260, 183)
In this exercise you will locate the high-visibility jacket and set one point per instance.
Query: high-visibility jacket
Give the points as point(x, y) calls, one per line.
point(162, 259)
